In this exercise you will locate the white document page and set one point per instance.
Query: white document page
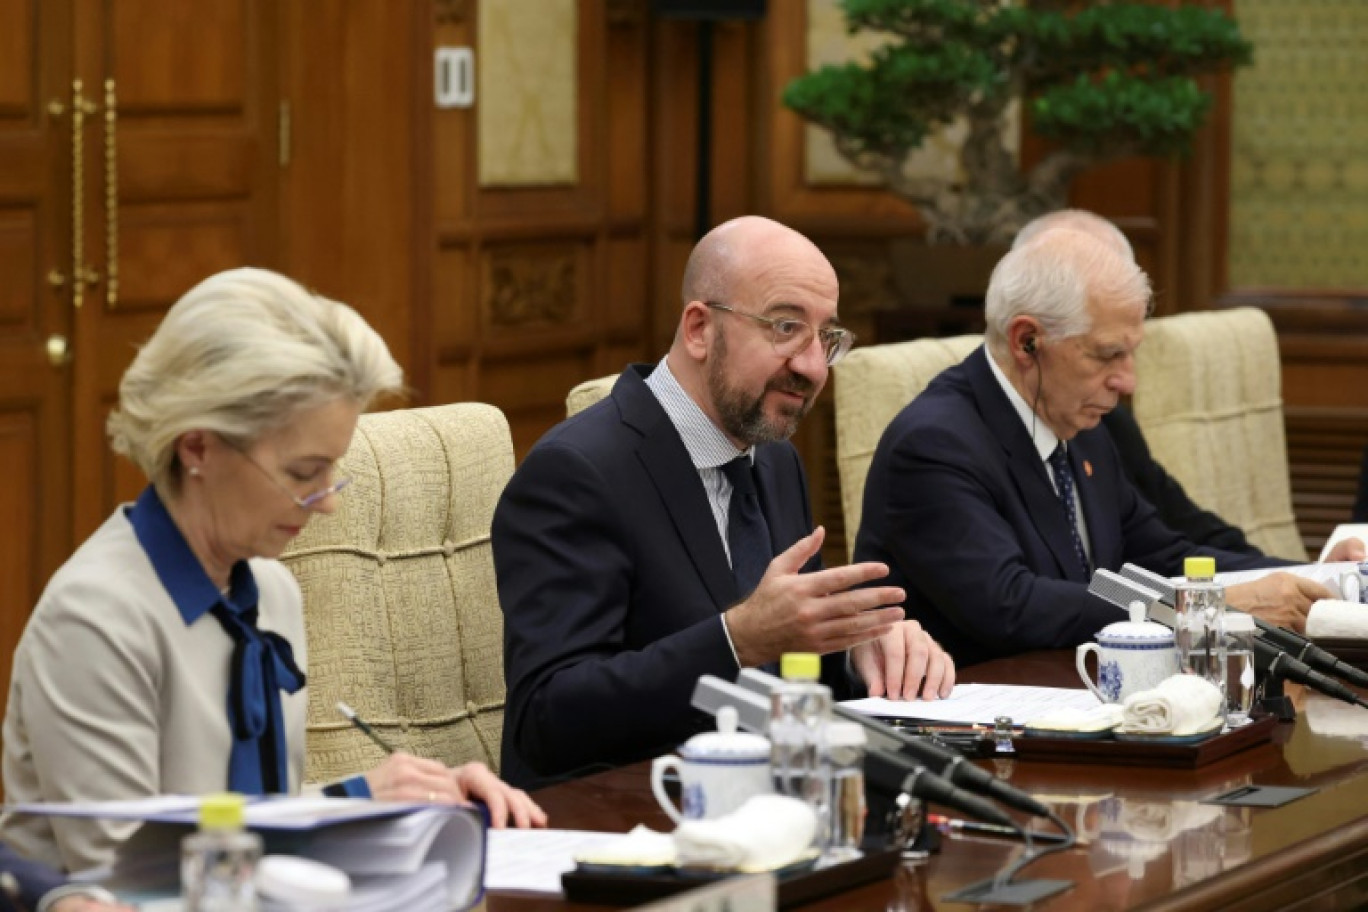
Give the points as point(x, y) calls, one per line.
point(980, 704)
point(534, 860)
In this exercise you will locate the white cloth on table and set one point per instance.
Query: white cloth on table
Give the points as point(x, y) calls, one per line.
point(1180, 705)
point(767, 832)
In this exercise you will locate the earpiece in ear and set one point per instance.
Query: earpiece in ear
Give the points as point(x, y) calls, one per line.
point(1029, 346)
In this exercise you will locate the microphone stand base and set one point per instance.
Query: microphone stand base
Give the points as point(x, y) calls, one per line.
point(1012, 893)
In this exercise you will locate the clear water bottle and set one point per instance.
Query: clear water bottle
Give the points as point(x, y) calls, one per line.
point(1200, 631)
point(218, 862)
point(1240, 631)
point(799, 709)
point(842, 758)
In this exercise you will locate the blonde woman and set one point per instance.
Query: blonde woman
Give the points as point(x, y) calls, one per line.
point(167, 655)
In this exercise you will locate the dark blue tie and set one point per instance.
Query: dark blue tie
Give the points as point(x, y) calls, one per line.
point(263, 665)
point(748, 536)
point(1064, 481)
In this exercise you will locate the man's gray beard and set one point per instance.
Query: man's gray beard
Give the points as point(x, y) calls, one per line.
point(742, 417)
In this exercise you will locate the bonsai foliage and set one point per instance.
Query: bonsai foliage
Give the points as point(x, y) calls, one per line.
point(1101, 80)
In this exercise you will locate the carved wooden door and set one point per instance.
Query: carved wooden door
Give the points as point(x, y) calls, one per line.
point(181, 180)
point(137, 156)
point(35, 224)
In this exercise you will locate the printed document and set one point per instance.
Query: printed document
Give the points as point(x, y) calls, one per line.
point(980, 704)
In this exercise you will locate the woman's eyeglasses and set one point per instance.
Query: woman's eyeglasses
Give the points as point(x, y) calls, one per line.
point(308, 500)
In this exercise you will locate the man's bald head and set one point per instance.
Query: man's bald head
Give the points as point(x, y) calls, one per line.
point(736, 252)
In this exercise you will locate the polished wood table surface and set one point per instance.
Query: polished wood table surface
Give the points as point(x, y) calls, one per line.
point(1150, 843)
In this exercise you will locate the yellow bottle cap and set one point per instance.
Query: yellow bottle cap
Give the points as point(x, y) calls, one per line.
point(222, 811)
point(1199, 567)
point(800, 666)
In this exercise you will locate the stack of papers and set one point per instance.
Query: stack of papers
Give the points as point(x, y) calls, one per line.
point(398, 856)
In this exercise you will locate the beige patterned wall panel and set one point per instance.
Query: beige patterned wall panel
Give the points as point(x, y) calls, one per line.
point(528, 93)
point(1299, 156)
point(829, 43)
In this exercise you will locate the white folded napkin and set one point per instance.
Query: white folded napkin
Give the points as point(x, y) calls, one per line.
point(1180, 705)
point(767, 832)
point(1333, 618)
point(1100, 718)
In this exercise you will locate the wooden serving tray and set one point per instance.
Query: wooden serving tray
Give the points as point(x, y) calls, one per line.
point(794, 889)
point(1146, 753)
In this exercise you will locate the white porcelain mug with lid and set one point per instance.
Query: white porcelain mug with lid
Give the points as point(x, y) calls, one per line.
point(1132, 656)
point(718, 771)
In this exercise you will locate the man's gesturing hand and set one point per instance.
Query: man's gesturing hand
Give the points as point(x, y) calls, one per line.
point(820, 612)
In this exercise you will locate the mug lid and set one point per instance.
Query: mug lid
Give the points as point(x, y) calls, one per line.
point(1137, 628)
point(726, 742)
point(726, 746)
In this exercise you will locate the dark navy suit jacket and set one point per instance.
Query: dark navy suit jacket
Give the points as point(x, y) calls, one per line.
point(34, 879)
point(612, 575)
point(960, 506)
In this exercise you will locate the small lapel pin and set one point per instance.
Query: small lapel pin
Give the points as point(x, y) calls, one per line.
point(1087, 468)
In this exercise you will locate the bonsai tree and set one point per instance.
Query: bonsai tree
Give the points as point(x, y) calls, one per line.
point(1100, 80)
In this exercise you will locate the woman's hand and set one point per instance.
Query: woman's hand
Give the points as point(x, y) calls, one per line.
point(507, 805)
point(404, 777)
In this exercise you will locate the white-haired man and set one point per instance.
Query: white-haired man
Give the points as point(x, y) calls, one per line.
point(995, 494)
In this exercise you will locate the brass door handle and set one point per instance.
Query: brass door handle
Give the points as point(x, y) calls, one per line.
point(81, 107)
point(58, 350)
point(111, 117)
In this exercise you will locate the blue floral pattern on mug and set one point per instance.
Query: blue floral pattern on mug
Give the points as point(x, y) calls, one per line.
point(695, 803)
point(1109, 680)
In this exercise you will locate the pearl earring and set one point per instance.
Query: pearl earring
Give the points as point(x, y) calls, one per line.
point(194, 470)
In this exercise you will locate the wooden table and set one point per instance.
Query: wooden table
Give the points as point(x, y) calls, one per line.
point(1151, 844)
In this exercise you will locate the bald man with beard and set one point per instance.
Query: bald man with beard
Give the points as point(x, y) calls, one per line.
point(665, 532)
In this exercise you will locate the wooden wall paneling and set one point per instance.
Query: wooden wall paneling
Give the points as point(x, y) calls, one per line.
point(538, 286)
point(673, 156)
point(354, 214)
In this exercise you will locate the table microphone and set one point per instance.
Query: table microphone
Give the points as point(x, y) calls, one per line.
point(946, 761)
point(1291, 642)
point(891, 773)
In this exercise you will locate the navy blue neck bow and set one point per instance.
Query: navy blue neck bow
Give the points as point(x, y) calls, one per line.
point(263, 666)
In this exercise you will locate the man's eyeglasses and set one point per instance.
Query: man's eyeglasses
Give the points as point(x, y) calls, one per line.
point(791, 336)
point(308, 500)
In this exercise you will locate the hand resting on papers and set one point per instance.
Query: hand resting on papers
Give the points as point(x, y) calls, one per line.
point(1279, 598)
point(404, 777)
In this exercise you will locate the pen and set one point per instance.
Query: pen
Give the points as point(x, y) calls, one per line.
point(914, 728)
point(970, 828)
point(354, 719)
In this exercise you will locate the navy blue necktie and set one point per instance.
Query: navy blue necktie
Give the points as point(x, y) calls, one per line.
point(263, 665)
point(1064, 481)
point(748, 536)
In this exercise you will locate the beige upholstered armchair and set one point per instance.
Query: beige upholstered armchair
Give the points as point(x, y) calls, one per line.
point(400, 604)
point(587, 393)
point(872, 385)
point(1209, 399)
